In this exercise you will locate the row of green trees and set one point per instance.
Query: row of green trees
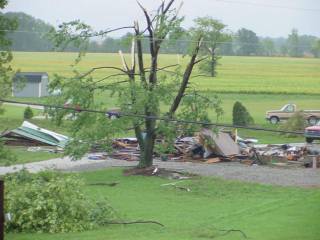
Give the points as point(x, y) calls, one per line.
point(6, 70)
point(31, 36)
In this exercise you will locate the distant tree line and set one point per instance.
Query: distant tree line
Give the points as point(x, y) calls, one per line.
point(31, 35)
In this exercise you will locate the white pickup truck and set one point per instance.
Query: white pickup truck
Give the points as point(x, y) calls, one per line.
point(288, 110)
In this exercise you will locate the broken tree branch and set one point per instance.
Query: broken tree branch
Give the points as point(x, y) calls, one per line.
point(169, 66)
point(232, 230)
point(137, 222)
point(150, 29)
point(174, 184)
point(201, 59)
point(185, 79)
point(107, 77)
point(111, 184)
point(200, 75)
point(111, 84)
point(101, 33)
point(99, 68)
point(163, 68)
point(133, 56)
point(166, 9)
point(124, 63)
point(140, 54)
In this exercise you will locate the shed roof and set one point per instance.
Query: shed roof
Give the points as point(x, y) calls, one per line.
point(32, 132)
point(31, 74)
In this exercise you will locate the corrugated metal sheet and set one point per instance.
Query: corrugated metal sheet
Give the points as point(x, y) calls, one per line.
point(36, 134)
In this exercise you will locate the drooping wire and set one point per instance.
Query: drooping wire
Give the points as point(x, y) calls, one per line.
point(159, 118)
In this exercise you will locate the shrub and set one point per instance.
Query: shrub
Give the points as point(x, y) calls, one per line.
point(28, 113)
point(51, 202)
point(295, 123)
point(240, 115)
point(6, 156)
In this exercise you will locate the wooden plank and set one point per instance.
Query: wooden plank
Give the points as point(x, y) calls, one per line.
point(222, 143)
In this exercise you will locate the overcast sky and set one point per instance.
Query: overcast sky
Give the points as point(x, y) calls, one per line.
point(257, 15)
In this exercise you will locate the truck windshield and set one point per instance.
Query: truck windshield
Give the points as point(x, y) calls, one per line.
point(288, 108)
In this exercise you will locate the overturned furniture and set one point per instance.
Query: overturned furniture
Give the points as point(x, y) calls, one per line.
point(29, 134)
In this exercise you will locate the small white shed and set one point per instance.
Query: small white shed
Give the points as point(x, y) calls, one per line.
point(30, 84)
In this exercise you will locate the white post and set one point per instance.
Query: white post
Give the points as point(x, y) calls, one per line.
point(314, 162)
point(40, 84)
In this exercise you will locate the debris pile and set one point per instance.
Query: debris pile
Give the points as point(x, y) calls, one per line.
point(126, 149)
point(210, 147)
point(287, 155)
point(206, 146)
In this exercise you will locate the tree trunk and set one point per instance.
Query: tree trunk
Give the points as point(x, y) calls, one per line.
point(146, 157)
point(212, 63)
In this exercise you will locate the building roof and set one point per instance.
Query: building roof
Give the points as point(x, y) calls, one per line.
point(29, 131)
point(31, 74)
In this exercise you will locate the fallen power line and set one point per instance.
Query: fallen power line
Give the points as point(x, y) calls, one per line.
point(153, 117)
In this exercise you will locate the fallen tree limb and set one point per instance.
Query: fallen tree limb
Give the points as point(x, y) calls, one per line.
point(170, 184)
point(136, 222)
point(182, 188)
point(111, 184)
point(226, 232)
point(177, 187)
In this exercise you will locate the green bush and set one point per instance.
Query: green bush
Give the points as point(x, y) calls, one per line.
point(6, 156)
point(240, 115)
point(51, 202)
point(28, 113)
point(295, 123)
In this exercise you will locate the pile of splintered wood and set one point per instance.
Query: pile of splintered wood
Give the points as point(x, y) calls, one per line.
point(206, 146)
point(126, 149)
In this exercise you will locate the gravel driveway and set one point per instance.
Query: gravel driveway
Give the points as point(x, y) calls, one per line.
point(304, 177)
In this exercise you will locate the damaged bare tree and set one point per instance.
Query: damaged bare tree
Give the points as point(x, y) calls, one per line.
point(140, 90)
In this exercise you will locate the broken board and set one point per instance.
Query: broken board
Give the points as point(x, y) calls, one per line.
point(222, 143)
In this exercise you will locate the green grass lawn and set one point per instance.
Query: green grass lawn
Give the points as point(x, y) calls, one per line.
point(260, 211)
point(235, 74)
point(24, 156)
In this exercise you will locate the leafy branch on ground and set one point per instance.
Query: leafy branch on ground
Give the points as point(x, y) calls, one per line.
point(52, 202)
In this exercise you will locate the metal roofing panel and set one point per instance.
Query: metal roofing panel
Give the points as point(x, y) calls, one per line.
point(33, 132)
point(29, 135)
